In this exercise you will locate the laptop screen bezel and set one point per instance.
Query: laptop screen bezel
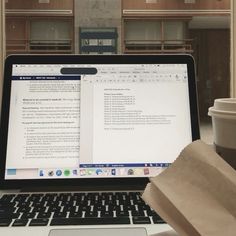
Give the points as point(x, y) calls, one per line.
point(87, 59)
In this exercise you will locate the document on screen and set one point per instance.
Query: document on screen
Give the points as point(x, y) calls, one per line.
point(44, 114)
point(131, 115)
point(134, 124)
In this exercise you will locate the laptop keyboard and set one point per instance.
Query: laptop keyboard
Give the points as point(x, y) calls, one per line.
point(93, 208)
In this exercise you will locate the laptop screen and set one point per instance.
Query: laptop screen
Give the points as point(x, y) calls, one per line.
point(96, 120)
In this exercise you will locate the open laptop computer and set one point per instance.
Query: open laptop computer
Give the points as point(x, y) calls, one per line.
point(80, 135)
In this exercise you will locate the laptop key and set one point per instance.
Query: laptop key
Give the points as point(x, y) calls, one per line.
point(59, 215)
point(29, 215)
point(75, 214)
point(158, 220)
point(20, 222)
point(91, 214)
point(23, 204)
point(4, 204)
point(24, 209)
point(44, 215)
point(141, 220)
point(107, 214)
point(54, 209)
point(9, 215)
point(7, 210)
point(122, 213)
point(137, 213)
point(38, 222)
point(7, 197)
point(5, 222)
point(89, 221)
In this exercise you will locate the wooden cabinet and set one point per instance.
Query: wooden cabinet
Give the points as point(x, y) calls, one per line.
point(40, 26)
point(39, 35)
point(16, 28)
point(39, 7)
point(16, 34)
point(175, 4)
point(155, 36)
point(171, 37)
point(212, 56)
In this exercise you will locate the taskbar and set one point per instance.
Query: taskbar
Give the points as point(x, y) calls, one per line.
point(91, 172)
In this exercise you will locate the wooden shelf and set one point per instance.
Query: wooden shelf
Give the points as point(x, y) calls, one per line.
point(33, 7)
point(158, 46)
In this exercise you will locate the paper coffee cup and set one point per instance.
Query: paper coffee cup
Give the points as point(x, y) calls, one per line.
point(223, 115)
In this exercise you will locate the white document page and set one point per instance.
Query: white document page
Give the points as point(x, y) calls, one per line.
point(138, 122)
point(44, 124)
point(133, 114)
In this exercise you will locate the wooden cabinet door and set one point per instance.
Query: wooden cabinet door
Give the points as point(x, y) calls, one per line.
point(16, 34)
point(212, 56)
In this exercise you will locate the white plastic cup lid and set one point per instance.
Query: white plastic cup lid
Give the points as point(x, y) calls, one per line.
point(225, 104)
point(223, 107)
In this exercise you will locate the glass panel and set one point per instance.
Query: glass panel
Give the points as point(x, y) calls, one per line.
point(50, 35)
point(174, 30)
point(142, 36)
point(144, 30)
point(49, 30)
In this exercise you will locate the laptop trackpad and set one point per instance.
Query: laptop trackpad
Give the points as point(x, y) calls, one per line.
point(99, 232)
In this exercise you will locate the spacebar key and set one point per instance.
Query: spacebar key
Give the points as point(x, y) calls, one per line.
point(90, 221)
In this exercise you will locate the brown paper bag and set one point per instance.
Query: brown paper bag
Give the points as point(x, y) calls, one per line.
point(196, 195)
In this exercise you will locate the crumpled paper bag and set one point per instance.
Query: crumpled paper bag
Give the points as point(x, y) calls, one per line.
point(196, 195)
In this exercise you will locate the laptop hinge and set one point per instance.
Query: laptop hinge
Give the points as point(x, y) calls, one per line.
point(79, 188)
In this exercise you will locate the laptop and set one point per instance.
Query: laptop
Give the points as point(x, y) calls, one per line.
point(81, 135)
